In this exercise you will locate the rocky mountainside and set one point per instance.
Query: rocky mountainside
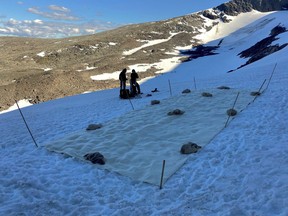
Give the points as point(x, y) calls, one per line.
point(45, 69)
point(239, 6)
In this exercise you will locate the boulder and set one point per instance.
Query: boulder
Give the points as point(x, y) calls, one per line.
point(231, 112)
point(255, 94)
point(176, 112)
point(155, 90)
point(94, 126)
point(223, 87)
point(190, 148)
point(206, 94)
point(186, 91)
point(95, 158)
point(210, 15)
point(153, 102)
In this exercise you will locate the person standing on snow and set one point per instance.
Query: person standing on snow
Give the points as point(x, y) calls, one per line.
point(122, 78)
point(134, 84)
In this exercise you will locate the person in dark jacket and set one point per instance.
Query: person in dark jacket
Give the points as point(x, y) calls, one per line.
point(134, 85)
point(122, 78)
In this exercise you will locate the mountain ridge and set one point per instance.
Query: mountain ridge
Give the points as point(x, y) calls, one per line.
point(239, 6)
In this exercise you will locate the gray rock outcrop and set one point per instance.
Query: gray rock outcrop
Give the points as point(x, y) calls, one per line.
point(235, 7)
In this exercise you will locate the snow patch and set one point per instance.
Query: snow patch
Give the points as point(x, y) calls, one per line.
point(22, 103)
point(41, 54)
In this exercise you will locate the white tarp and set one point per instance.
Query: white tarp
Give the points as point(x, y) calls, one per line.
point(136, 143)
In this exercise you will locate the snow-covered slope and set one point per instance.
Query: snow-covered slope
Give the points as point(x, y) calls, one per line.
point(243, 171)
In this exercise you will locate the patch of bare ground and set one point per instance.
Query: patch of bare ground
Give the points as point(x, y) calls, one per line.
point(46, 69)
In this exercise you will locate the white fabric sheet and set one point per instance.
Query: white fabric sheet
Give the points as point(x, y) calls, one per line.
point(136, 143)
